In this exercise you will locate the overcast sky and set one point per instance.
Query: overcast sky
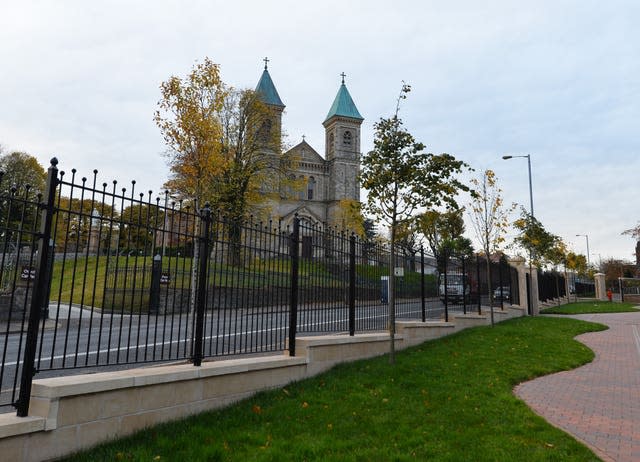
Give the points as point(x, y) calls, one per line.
point(558, 80)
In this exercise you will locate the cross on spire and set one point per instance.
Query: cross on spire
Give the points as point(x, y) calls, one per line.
point(303, 137)
point(266, 61)
point(343, 75)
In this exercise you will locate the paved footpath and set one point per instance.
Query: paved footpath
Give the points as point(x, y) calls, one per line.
point(598, 403)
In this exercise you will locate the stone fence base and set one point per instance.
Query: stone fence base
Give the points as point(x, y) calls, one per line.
point(68, 414)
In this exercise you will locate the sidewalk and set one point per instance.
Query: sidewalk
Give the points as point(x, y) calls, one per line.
point(598, 403)
point(62, 312)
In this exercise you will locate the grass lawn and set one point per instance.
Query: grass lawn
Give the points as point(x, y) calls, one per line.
point(592, 307)
point(446, 400)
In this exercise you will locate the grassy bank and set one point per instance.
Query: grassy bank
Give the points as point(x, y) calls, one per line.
point(593, 306)
point(446, 400)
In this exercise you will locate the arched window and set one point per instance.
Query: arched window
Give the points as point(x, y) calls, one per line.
point(346, 137)
point(311, 186)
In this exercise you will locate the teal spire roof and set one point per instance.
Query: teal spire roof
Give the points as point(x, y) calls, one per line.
point(267, 90)
point(343, 105)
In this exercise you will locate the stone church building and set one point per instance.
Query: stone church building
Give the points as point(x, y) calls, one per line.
point(326, 180)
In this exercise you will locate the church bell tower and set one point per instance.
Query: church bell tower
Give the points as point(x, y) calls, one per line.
point(342, 150)
point(268, 94)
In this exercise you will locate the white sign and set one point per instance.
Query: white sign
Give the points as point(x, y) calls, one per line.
point(399, 271)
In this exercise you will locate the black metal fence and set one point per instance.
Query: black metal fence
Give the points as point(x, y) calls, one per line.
point(551, 285)
point(103, 276)
point(628, 289)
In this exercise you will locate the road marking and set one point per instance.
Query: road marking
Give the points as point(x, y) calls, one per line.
point(123, 349)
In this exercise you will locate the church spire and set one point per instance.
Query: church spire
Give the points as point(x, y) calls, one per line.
point(267, 90)
point(343, 105)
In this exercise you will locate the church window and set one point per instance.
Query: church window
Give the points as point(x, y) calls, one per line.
point(311, 186)
point(346, 137)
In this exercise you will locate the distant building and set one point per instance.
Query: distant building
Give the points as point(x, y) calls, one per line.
point(327, 181)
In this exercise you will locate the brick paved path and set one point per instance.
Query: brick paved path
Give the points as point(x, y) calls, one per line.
point(599, 403)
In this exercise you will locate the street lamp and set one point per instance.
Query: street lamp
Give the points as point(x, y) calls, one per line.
point(529, 294)
point(584, 235)
point(530, 185)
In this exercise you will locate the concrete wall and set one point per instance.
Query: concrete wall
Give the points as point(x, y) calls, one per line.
point(68, 414)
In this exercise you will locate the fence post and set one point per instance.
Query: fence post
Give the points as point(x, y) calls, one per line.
point(40, 290)
point(352, 285)
point(422, 295)
point(479, 285)
point(201, 294)
point(500, 282)
point(446, 290)
point(621, 291)
point(156, 274)
point(529, 290)
point(293, 300)
point(464, 287)
point(45, 305)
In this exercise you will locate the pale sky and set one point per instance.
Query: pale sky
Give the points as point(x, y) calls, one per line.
point(558, 80)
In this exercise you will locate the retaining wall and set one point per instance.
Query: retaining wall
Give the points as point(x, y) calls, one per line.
point(68, 414)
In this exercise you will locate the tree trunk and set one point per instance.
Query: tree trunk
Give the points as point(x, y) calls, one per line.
point(235, 241)
point(489, 288)
point(392, 297)
point(194, 277)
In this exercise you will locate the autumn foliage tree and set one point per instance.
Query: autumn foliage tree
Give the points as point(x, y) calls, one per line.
point(188, 118)
point(400, 177)
point(349, 216)
point(534, 238)
point(489, 216)
point(218, 139)
point(21, 178)
point(443, 231)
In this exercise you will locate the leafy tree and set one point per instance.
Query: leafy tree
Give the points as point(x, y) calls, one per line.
point(408, 242)
point(349, 216)
point(460, 246)
point(137, 224)
point(22, 178)
point(577, 263)
point(72, 225)
point(443, 232)
point(557, 255)
point(490, 218)
point(633, 232)
point(21, 169)
point(615, 268)
point(400, 177)
point(188, 119)
point(370, 239)
point(222, 146)
point(534, 238)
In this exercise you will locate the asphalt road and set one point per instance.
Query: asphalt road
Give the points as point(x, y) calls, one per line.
point(83, 341)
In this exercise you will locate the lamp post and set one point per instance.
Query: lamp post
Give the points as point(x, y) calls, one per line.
point(587, 237)
point(529, 295)
point(530, 184)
